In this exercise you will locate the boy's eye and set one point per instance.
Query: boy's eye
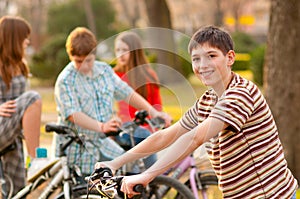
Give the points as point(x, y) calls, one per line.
point(195, 59)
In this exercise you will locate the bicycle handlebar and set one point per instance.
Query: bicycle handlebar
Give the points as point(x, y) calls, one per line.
point(105, 180)
point(141, 118)
point(59, 129)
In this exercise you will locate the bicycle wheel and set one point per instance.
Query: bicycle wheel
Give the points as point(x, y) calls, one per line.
point(164, 187)
point(207, 183)
point(8, 187)
point(81, 192)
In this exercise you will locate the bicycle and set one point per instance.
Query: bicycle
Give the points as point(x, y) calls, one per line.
point(59, 176)
point(160, 187)
point(203, 182)
point(102, 182)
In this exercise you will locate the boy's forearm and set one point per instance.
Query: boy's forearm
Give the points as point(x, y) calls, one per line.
point(152, 144)
point(138, 102)
point(85, 121)
point(180, 149)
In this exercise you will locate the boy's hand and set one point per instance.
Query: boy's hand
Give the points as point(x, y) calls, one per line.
point(129, 182)
point(105, 164)
point(166, 117)
point(8, 108)
point(112, 125)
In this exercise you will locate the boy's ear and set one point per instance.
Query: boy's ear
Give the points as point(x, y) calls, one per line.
point(231, 57)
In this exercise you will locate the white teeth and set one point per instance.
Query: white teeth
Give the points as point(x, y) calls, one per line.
point(206, 73)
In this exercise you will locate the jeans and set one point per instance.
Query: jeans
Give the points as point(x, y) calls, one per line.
point(294, 196)
point(140, 134)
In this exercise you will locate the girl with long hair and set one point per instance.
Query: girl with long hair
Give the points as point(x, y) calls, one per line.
point(20, 110)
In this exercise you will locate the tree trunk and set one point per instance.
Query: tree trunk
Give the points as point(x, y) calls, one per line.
point(89, 15)
point(282, 79)
point(219, 14)
point(163, 41)
point(36, 19)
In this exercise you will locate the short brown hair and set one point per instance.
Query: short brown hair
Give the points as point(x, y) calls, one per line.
point(214, 36)
point(81, 42)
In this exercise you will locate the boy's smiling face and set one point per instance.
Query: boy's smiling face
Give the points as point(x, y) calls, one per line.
point(211, 66)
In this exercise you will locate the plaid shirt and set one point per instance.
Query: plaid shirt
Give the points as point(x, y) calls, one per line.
point(11, 129)
point(17, 87)
point(94, 96)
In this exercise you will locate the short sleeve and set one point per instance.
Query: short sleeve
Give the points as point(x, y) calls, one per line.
point(66, 101)
point(189, 119)
point(122, 89)
point(234, 107)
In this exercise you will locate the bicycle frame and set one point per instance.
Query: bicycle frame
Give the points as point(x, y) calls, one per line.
point(54, 171)
point(57, 170)
point(182, 167)
point(195, 182)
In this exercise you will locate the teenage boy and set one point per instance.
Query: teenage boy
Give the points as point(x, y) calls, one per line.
point(84, 92)
point(233, 118)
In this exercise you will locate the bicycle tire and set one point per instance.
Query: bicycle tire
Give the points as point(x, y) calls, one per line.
point(9, 186)
point(207, 185)
point(170, 187)
point(80, 192)
point(166, 187)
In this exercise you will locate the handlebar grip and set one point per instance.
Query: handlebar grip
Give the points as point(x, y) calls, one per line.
point(59, 129)
point(159, 121)
point(103, 172)
point(113, 133)
point(139, 188)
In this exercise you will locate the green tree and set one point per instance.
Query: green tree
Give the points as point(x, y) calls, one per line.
point(64, 17)
point(50, 60)
point(244, 43)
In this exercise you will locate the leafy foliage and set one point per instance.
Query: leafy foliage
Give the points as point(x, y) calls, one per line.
point(63, 18)
point(52, 58)
point(244, 43)
point(257, 63)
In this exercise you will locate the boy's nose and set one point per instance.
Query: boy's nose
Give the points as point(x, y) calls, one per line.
point(203, 63)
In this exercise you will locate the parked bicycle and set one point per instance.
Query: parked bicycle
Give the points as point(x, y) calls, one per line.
point(202, 182)
point(60, 177)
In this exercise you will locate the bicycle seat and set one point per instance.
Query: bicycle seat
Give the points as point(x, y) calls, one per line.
point(42, 169)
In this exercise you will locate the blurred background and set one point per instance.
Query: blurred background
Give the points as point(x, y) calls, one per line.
point(52, 21)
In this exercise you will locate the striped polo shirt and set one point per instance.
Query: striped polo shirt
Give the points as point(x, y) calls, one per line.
point(247, 156)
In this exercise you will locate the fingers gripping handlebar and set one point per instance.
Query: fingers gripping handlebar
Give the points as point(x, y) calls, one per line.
point(105, 179)
point(141, 118)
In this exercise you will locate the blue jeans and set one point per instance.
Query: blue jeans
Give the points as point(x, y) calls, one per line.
point(294, 196)
point(140, 134)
